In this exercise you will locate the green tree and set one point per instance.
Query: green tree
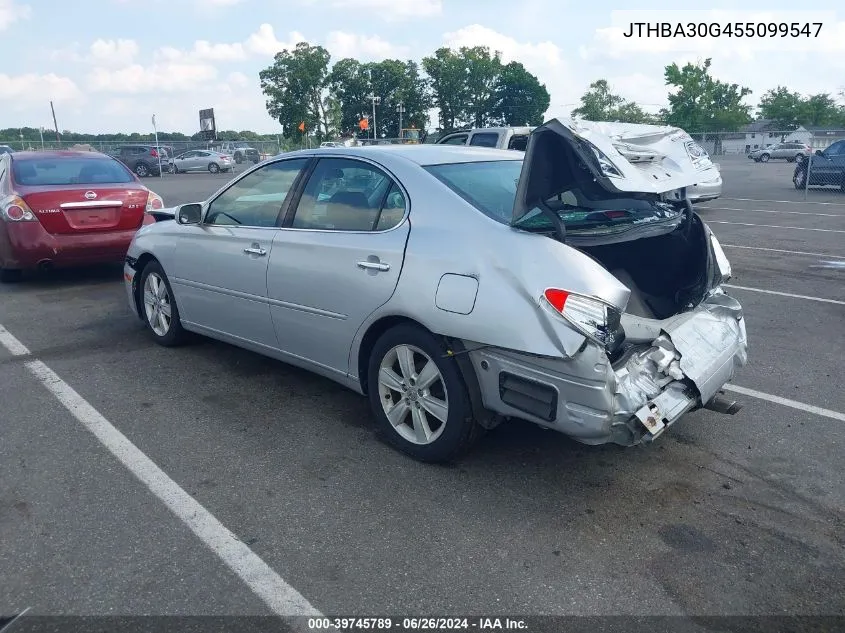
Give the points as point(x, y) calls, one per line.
point(820, 109)
point(702, 103)
point(349, 85)
point(782, 107)
point(483, 70)
point(294, 86)
point(599, 103)
point(519, 97)
point(447, 72)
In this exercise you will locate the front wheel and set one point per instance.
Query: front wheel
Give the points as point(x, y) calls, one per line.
point(418, 397)
point(799, 158)
point(161, 314)
point(142, 170)
point(214, 168)
point(799, 179)
point(764, 158)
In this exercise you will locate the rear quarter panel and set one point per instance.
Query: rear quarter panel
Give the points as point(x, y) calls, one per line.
point(512, 268)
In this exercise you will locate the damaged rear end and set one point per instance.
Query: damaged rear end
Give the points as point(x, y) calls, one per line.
point(662, 338)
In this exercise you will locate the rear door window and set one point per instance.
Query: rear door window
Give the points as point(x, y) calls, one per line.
point(484, 139)
point(457, 139)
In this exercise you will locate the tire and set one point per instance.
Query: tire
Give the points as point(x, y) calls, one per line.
point(798, 178)
point(764, 158)
point(798, 157)
point(142, 170)
point(10, 275)
point(174, 169)
point(434, 440)
point(238, 159)
point(756, 160)
point(214, 168)
point(173, 334)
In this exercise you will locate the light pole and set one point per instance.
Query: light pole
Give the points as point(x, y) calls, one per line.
point(400, 109)
point(376, 100)
point(41, 130)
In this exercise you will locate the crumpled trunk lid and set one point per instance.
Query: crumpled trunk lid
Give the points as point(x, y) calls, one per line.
point(621, 158)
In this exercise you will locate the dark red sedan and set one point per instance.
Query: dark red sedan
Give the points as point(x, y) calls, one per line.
point(64, 208)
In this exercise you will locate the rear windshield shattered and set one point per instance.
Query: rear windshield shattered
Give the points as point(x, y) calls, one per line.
point(40, 172)
point(490, 186)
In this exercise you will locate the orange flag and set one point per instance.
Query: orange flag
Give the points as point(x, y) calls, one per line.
point(302, 126)
point(364, 124)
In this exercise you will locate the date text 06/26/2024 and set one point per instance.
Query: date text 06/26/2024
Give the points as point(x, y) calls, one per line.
point(730, 29)
point(416, 624)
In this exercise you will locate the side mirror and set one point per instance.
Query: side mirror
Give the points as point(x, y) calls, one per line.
point(819, 152)
point(189, 213)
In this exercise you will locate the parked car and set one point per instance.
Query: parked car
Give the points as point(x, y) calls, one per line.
point(5, 149)
point(241, 151)
point(785, 151)
point(144, 160)
point(826, 167)
point(496, 137)
point(200, 160)
point(459, 287)
point(64, 208)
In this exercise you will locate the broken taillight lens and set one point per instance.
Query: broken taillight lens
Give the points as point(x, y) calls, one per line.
point(592, 317)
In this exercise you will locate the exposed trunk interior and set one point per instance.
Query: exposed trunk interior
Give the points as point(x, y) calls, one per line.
point(665, 274)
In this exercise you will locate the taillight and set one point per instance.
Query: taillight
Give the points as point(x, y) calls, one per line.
point(592, 317)
point(153, 153)
point(224, 156)
point(154, 202)
point(14, 209)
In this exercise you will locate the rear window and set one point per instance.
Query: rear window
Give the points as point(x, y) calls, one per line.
point(485, 139)
point(69, 171)
point(490, 187)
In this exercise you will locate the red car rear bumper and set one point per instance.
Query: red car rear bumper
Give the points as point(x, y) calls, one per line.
point(23, 245)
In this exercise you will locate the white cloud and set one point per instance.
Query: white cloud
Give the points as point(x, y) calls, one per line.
point(113, 52)
point(543, 59)
point(342, 44)
point(264, 42)
point(155, 79)
point(32, 92)
point(387, 10)
point(203, 51)
point(11, 12)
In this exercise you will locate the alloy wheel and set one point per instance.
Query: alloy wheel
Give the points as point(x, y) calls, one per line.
point(413, 394)
point(157, 304)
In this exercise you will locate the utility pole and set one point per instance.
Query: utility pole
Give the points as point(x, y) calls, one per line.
point(376, 100)
point(56, 125)
point(400, 109)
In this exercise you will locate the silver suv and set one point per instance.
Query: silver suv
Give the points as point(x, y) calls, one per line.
point(788, 151)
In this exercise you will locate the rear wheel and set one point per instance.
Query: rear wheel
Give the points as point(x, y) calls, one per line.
point(213, 168)
point(161, 314)
point(238, 159)
point(10, 275)
point(174, 169)
point(764, 158)
point(142, 170)
point(418, 397)
point(799, 178)
point(799, 157)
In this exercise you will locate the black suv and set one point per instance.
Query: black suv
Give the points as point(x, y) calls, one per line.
point(827, 168)
point(143, 159)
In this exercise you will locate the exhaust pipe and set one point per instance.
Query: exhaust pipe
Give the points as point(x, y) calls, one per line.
point(45, 265)
point(720, 404)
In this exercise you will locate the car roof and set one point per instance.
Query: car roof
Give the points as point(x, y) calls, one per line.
point(422, 155)
point(58, 153)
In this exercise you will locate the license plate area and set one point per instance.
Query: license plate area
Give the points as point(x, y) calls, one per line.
point(661, 412)
point(90, 219)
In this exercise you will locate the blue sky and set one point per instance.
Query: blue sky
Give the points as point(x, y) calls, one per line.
point(108, 65)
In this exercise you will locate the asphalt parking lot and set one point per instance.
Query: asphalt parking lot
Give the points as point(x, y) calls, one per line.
point(724, 515)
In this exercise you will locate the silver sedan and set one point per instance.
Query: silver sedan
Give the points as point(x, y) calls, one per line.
point(201, 160)
point(457, 287)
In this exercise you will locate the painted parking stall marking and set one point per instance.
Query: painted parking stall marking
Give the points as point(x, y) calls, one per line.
point(781, 250)
point(786, 294)
point(280, 597)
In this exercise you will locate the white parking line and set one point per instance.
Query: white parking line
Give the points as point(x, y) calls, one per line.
point(280, 597)
point(794, 404)
point(786, 294)
point(774, 226)
point(832, 204)
point(823, 215)
point(780, 250)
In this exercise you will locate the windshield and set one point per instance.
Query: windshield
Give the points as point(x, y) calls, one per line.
point(490, 187)
point(69, 171)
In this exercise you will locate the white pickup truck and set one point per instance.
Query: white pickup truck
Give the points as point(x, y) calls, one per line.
point(497, 137)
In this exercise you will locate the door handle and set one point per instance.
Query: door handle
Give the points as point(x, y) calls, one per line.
point(255, 251)
point(374, 266)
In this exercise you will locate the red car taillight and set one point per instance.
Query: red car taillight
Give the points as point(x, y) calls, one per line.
point(14, 209)
point(592, 317)
point(154, 202)
point(153, 153)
